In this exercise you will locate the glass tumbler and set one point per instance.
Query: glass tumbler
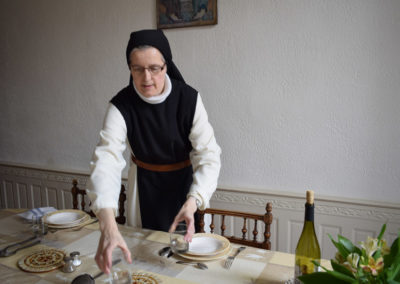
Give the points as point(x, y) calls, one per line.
point(121, 277)
point(177, 243)
point(35, 224)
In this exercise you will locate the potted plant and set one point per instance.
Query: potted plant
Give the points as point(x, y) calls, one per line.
point(372, 262)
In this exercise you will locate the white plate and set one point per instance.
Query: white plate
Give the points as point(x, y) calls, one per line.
point(207, 257)
point(204, 244)
point(64, 217)
point(82, 222)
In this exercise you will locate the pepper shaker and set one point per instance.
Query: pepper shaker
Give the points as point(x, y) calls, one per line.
point(75, 257)
point(68, 265)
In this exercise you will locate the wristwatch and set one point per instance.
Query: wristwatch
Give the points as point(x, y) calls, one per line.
point(198, 203)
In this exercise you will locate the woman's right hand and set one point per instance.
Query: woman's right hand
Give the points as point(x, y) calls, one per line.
point(110, 239)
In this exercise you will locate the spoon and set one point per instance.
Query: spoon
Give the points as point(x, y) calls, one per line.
point(164, 251)
point(199, 265)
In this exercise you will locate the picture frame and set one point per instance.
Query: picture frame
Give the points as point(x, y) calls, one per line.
point(186, 13)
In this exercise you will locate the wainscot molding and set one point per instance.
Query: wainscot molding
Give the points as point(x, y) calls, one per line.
point(371, 211)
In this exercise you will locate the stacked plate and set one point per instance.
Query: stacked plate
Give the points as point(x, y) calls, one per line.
point(206, 246)
point(69, 218)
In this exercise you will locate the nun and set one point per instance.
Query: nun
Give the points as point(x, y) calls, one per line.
point(174, 156)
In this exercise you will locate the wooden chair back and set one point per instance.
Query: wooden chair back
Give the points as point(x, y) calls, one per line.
point(265, 218)
point(121, 219)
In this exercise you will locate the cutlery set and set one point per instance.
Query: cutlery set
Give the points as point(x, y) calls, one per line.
point(20, 245)
point(227, 264)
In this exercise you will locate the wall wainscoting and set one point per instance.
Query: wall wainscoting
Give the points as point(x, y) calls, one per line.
point(29, 187)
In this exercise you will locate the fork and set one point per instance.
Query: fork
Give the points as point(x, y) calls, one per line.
point(229, 260)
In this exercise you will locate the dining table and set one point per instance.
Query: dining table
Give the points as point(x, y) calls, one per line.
point(252, 265)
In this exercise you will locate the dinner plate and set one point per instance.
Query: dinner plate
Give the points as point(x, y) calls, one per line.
point(84, 221)
point(207, 258)
point(44, 260)
point(205, 244)
point(65, 217)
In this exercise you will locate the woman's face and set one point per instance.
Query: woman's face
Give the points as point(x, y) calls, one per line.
point(148, 71)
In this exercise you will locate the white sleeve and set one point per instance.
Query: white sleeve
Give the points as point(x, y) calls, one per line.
point(108, 162)
point(205, 157)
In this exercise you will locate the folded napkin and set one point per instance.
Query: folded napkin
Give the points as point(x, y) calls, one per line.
point(39, 212)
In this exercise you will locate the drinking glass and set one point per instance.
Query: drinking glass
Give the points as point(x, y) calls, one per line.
point(43, 228)
point(39, 226)
point(35, 224)
point(178, 244)
point(121, 277)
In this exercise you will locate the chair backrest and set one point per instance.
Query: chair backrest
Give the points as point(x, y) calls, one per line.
point(265, 218)
point(121, 219)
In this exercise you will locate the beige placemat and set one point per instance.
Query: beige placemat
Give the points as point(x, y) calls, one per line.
point(12, 260)
point(15, 226)
point(286, 259)
point(165, 279)
point(275, 273)
point(86, 245)
point(11, 276)
point(88, 265)
point(93, 226)
point(282, 258)
point(248, 273)
point(161, 237)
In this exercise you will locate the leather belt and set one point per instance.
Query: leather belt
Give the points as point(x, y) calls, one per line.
point(161, 168)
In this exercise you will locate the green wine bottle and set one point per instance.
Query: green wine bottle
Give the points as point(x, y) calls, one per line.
point(307, 248)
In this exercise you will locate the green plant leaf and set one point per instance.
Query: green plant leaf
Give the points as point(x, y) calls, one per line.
point(360, 272)
point(342, 276)
point(382, 232)
point(347, 244)
point(394, 270)
point(357, 250)
point(390, 259)
point(342, 250)
point(341, 268)
point(395, 248)
point(377, 254)
point(320, 277)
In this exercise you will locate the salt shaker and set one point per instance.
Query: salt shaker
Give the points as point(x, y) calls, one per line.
point(68, 265)
point(75, 256)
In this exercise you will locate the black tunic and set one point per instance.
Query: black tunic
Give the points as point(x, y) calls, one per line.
point(159, 134)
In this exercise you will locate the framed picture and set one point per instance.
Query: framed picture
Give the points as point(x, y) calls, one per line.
point(185, 13)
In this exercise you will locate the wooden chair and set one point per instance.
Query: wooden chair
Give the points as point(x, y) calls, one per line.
point(265, 218)
point(121, 219)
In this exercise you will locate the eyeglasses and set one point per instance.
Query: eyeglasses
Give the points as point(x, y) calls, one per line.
point(153, 69)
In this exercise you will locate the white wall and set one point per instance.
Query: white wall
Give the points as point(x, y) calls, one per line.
point(300, 93)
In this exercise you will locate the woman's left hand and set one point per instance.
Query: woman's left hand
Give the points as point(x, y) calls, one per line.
point(186, 214)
